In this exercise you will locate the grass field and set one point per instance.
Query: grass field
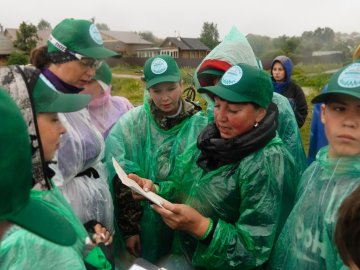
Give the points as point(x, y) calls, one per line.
point(313, 78)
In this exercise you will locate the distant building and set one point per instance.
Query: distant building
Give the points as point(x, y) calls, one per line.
point(177, 47)
point(327, 57)
point(125, 43)
point(6, 46)
point(43, 35)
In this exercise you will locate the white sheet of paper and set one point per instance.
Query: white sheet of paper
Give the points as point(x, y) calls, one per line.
point(136, 267)
point(135, 187)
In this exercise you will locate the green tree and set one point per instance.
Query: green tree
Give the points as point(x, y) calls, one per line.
point(16, 58)
point(260, 44)
point(286, 44)
point(209, 35)
point(102, 26)
point(149, 36)
point(26, 37)
point(44, 25)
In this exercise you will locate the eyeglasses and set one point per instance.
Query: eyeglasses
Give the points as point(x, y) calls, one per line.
point(87, 61)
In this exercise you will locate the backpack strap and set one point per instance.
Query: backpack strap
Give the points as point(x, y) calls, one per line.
point(19, 81)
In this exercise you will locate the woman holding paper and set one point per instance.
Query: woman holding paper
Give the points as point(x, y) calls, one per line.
point(146, 141)
point(227, 201)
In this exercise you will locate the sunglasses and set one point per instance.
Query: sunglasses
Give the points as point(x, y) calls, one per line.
point(87, 61)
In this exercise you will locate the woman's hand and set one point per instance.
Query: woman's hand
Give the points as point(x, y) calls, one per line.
point(133, 245)
point(183, 217)
point(145, 184)
point(102, 235)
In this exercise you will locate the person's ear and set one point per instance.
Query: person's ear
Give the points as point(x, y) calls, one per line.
point(260, 115)
point(322, 114)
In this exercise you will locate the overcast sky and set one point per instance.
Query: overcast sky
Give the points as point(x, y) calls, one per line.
point(163, 17)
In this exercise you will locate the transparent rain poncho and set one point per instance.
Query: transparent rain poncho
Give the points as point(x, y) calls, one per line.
point(235, 49)
point(81, 150)
point(306, 241)
point(249, 200)
point(141, 147)
point(106, 110)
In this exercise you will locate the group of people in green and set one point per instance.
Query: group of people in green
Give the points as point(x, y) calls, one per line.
point(239, 194)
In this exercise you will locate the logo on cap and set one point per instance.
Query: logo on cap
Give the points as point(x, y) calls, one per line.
point(350, 77)
point(232, 76)
point(95, 34)
point(158, 66)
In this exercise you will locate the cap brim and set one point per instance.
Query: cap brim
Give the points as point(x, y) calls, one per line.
point(45, 222)
point(224, 93)
point(324, 96)
point(48, 100)
point(213, 72)
point(161, 79)
point(67, 103)
point(97, 52)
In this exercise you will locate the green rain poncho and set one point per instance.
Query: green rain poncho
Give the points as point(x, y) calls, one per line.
point(245, 197)
point(21, 249)
point(141, 147)
point(236, 49)
point(306, 241)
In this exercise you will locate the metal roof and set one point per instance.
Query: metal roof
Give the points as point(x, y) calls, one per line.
point(125, 37)
point(185, 43)
point(6, 45)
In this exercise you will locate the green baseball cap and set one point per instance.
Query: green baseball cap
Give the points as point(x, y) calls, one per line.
point(159, 69)
point(104, 74)
point(80, 36)
point(48, 99)
point(211, 71)
point(16, 205)
point(346, 81)
point(243, 83)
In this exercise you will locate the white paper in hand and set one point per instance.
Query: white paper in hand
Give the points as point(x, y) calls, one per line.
point(135, 187)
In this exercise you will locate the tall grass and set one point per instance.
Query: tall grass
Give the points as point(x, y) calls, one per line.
point(132, 89)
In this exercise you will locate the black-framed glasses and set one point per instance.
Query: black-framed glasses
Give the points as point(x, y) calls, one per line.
point(87, 61)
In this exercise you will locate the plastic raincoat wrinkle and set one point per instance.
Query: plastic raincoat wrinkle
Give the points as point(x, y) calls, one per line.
point(21, 249)
point(247, 198)
point(82, 149)
point(106, 110)
point(142, 147)
point(306, 241)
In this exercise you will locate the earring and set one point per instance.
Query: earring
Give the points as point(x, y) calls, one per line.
point(256, 124)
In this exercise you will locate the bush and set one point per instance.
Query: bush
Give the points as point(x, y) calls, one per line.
point(16, 58)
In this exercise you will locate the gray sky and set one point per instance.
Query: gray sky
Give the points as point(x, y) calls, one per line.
point(163, 17)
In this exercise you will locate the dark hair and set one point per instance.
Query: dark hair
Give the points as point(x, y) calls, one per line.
point(347, 232)
point(39, 57)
